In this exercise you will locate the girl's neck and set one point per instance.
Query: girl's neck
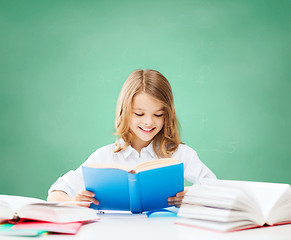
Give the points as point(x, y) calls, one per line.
point(138, 145)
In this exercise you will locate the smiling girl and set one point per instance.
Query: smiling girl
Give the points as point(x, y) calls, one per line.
point(147, 128)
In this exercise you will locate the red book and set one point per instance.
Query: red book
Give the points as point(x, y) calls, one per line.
point(67, 228)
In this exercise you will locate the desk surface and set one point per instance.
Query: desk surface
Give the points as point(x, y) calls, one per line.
point(143, 228)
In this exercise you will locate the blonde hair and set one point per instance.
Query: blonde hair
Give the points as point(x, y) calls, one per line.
point(156, 85)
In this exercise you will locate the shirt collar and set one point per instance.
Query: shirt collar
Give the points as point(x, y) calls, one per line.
point(150, 150)
point(129, 150)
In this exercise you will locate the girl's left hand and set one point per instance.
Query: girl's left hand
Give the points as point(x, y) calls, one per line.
point(177, 200)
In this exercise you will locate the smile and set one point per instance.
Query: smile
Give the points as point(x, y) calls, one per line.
point(147, 130)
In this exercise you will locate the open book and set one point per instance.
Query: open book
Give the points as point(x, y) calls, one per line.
point(146, 187)
point(226, 205)
point(15, 207)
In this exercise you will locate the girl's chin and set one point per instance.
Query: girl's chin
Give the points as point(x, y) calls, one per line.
point(145, 137)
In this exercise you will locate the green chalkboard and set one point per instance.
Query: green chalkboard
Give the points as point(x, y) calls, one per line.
point(62, 65)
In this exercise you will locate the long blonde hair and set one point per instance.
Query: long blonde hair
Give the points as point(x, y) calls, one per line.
point(156, 85)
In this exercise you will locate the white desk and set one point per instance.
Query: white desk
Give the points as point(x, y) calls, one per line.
point(142, 228)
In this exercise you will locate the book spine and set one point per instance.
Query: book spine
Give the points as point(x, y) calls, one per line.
point(134, 193)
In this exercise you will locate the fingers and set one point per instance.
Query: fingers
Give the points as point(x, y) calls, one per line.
point(86, 196)
point(177, 200)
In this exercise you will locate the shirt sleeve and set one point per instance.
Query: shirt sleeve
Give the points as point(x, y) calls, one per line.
point(72, 182)
point(194, 169)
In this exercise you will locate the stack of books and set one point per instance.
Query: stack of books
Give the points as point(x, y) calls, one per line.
point(24, 216)
point(225, 205)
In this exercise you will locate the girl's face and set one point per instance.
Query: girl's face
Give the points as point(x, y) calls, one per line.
point(147, 119)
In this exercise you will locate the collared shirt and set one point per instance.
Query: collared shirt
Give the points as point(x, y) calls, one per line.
point(194, 170)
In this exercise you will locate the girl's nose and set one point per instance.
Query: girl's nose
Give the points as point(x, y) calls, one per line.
point(148, 121)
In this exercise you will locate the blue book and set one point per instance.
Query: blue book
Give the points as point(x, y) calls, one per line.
point(146, 187)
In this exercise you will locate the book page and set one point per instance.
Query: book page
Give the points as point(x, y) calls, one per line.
point(57, 214)
point(213, 214)
point(6, 212)
point(109, 165)
point(264, 194)
point(281, 211)
point(156, 163)
point(213, 225)
point(217, 196)
point(16, 202)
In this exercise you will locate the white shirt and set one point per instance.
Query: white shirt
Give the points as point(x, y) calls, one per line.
point(194, 170)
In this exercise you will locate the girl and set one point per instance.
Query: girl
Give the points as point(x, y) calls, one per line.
point(146, 126)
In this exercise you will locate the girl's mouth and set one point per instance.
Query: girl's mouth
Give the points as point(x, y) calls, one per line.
point(150, 130)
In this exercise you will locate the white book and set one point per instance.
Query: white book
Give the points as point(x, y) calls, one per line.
point(15, 207)
point(226, 205)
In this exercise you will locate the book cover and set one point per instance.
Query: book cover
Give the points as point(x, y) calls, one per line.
point(65, 228)
point(117, 189)
point(6, 230)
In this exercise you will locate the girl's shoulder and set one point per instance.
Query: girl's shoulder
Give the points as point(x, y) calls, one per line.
point(103, 152)
point(184, 150)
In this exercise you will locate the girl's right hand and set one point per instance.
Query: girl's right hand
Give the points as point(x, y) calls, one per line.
point(86, 196)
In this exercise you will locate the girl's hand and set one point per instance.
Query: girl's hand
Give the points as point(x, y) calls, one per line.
point(86, 196)
point(177, 200)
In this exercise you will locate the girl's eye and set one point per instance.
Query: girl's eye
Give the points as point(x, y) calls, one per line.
point(139, 115)
point(159, 115)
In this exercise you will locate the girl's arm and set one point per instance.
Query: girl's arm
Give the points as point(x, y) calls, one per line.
point(59, 196)
point(82, 196)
